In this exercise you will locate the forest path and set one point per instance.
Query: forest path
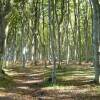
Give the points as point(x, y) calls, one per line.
point(23, 84)
point(29, 84)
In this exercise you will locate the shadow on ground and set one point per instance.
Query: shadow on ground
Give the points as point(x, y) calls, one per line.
point(31, 84)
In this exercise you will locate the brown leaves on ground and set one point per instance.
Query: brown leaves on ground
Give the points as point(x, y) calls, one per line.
point(73, 83)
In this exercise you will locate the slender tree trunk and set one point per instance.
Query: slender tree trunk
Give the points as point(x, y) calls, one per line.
point(52, 42)
point(44, 43)
point(79, 34)
point(86, 33)
point(59, 21)
point(2, 40)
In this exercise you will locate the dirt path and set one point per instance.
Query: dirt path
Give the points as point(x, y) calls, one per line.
point(28, 84)
point(25, 85)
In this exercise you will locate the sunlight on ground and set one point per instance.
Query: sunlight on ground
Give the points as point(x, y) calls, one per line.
point(27, 81)
point(78, 76)
point(65, 89)
point(3, 94)
point(14, 73)
point(90, 76)
point(46, 98)
point(36, 74)
point(1, 88)
point(24, 87)
point(31, 83)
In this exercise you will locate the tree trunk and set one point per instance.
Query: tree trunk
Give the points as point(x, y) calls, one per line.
point(86, 34)
point(2, 40)
point(52, 42)
point(96, 33)
point(4, 10)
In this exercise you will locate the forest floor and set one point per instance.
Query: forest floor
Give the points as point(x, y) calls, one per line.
point(73, 83)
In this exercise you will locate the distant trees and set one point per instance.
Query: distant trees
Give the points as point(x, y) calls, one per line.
point(50, 30)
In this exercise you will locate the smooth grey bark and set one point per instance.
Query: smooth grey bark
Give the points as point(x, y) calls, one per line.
point(79, 34)
point(52, 42)
point(67, 18)
point(44, 43)
point(22, 5)
point(59, 21)
point(75, 30)
point(96, 32)
point(86, 33)
point(35, 23)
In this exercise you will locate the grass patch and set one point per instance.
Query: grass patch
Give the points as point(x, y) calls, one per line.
point(6, 82)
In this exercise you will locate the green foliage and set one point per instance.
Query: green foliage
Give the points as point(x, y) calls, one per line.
point(71, 25)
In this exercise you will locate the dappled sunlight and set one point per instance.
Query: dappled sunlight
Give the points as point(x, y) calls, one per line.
point(64, 89)
point(23, 87)
point(1, 88)
point(90, 76)
point(64, 93)
point(30, 75)
point(6, 94)
point(79, 74)
point(72, 82)
point(14, 73)
point(46, 98)
point(36, 74)
point(33, 81)
point(49, 49)
point(18, 80)
point(14, 96)
point(77, 77)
